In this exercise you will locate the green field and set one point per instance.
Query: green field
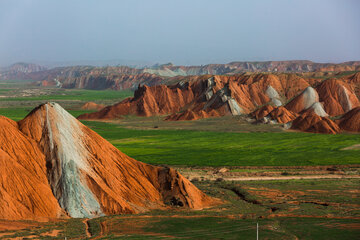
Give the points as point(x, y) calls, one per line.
point(17, 114)
point(208, 148)
point(73, 94)
point(16, 101)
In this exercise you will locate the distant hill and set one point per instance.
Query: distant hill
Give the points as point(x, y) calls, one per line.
point(20, 71)
point(123, 77)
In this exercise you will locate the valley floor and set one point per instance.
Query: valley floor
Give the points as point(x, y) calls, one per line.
point(284, 209)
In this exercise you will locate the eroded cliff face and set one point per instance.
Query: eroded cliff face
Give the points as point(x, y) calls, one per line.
point(69, 170)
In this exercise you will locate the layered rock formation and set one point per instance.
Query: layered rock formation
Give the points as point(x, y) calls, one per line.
point(270, 114)
point(52, 165)
point(213, 96)
point(207, 96)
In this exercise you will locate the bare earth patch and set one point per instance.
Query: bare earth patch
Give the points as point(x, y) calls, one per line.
point(353, 147)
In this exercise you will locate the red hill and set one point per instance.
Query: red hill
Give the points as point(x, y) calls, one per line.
point(59, 165)
point(351, 120)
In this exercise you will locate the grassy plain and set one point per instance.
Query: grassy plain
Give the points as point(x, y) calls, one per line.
point(211, 148)
point(18, 99)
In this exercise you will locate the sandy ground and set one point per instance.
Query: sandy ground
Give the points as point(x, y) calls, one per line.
point(263, 174)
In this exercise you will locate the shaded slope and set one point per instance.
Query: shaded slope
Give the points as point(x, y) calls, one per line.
point(351, 120)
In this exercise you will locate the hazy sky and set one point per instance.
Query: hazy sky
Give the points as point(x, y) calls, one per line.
point(179, 31)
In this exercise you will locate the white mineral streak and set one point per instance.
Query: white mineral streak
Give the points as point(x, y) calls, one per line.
point(310, 97)
point(234, 107)
point(348, 105)
point(65, 143)
point(274, 95)
point(319, 109)
point(271, 92)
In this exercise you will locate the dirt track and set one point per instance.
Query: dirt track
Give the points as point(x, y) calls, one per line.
point(329, 176)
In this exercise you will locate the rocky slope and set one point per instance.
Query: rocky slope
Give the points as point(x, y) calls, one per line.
point(289, 95)
point(52, 166)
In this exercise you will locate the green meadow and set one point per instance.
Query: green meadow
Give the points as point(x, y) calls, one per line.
point(74, 94)
point(208, 148)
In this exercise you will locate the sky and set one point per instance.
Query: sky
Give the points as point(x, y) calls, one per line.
point(184, 32)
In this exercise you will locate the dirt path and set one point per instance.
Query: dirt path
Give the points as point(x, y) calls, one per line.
point(86, 222)
point(329, 176)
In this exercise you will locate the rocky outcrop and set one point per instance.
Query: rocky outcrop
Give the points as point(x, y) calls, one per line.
point(274, 115)
point(51, 164)
point(148, 101)
point(281, 115)
point(311, 122)
point(262, 112)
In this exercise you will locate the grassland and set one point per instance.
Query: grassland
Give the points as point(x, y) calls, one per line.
point(18, 99)
point(209, 148)
point(72, 94)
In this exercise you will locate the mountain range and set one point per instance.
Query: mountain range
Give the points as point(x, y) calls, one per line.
point(123, 77)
